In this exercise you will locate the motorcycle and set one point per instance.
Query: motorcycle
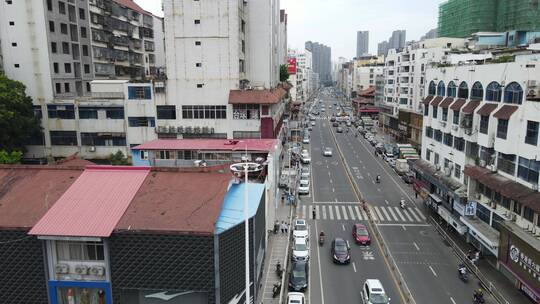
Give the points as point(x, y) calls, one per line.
point(321, 240)
point(276, 289)
point(402, 204)
point(462, 273)
point(378, 179)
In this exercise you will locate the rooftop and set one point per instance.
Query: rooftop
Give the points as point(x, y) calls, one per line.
point(258, 145)
point(271, 96)
point(132, 5)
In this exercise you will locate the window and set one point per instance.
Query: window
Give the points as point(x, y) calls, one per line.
point(96, 139)
point(440, 88)
point(502, 128)
point(436, 159)
point(198, 64)
point(141, 122)
point(62, 7)
point(65, 47)
point(88, 113)
point(64, 138)
point(493, 92)
point(204, 112)
point(457, 171)
point(242, 66)
point(428, 154)
point(448, 139)
point(87, 69)
point(67, 67)
point(477, 91)
point(199, 85)
point(437, 135)
point(88, 88)
point(506, 163)
point(246, 111)
point(85, 50)
point(435, 112)
point(531, 137)
point(114, 113)
point(55, 67)
point(16, 65)
point(67, 88)
point(429, 132)
point(82, 14)
point(139, 92)
point(426, 110)
point(79, 251)
point(83, 32)
point(197, 43)
point(452, 90)
point(484, 124)
point(53, 47)
point(61, 111)
point(528, 170)
point(144, 154)
point(528, 214)
point(445, 114)
point(166, 112)
point(63, 28)
point(513, 93)
point(58, 87)
point(455, 118)
point(463, 91)
point(12, 23)
point(197, 21)
point(243, 46)
point(51, 26)
point(459, 144)
point(49, 5)
point(243, 26)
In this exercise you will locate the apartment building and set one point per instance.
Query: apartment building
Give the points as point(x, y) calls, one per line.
point(57, 48)
point(479, 168)
point(322, 63)
point(364, 76)
point(223, 68)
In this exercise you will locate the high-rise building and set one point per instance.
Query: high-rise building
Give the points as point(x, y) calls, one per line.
point(382, 48)
point(431, 34)
point(321, 61)
point(460, 18)
point(223, 69)
point(282, 50)
point(362, 43)
point(396, 41)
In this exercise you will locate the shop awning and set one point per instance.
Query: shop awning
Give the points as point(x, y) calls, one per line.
point(456, 106)
point(436, 101)
point(484, 233)
point(505, 112)
point(486, 109)
point(470, 107)
point(427, 99)
point(429, 171)
point(446, 102)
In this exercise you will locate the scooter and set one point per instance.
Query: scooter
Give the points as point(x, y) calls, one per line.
point(321, 240)
point(378, 179)
point(462, 273)
point(276, 289)
point(402, 204)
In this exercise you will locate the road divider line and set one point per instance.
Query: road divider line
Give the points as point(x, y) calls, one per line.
point(320, 271)
point(452, 299)
point(403, 227)
point(343, 227)
point(386, 201)
point(416, 246)
point(434, 273)
point(354, 266)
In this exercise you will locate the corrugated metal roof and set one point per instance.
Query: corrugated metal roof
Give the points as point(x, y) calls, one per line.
point(266, 96)
point(94, 204)
point(486, 109)
point(446, 102)
point(428, 99)
point(263, 145)
point(232, 212)
point(436, 101)
point(505, 112)
point(470, 107)
point(456, 106)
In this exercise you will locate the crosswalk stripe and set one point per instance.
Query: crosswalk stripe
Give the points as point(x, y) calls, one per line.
point(338, 216)
point(323, 212)
point(408, 216)
point(351, 212)
point(385, 213)
point(379, 214)
point(357, 210)
point(392, 213)
point(414, 214)
point(421, 214)
point(345, 216)
point(399, 213)
point(364, 214)
point(317, 211)
point(304, 211)
point(331, 212)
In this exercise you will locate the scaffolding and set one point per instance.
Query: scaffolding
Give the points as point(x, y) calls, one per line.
point(461, 18)
point(521, 15)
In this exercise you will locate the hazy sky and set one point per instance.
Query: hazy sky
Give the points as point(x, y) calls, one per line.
point(335, 22)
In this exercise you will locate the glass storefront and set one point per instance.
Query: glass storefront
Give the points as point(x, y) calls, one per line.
point(76, 295)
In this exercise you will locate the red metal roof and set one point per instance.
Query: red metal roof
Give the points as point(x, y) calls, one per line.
point(272, 96)
point(486, 109)
point(470, 107)
point(456, 106)
point(427, 99)
point(94, 204)
point(369, 92)
point(262, 145)
point(446, 102)
point(132, 5)
point(436, 101)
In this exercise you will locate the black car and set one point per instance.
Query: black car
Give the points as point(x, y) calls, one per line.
point(298, 279)
point(340, 251)
point(335, 124)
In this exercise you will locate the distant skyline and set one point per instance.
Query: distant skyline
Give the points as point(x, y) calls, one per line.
point(336, 22)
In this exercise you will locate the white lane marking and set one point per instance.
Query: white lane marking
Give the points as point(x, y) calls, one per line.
point(452, 299)
point(392, 213)
point(357, 210)
point(434, 273)
point(364, 214)
point(331, 212)
point(385, 213)
point(399, 213)
point(403, 227)
point(304, 211)
point(379, 189)
point(323, 212)
point(379, 214)
point(343, 227)
point(328, 173)
point(331, 181)
point(333, 189)
point(320, 274)
point(414, 214)
point(338, 216)
point(408, 216)
point(386, 201)
point(416, 246)
point(420, 212)
point(317, 211)
point(335, 199)
point(351, 212)
point(354, 266)
point(345, 216)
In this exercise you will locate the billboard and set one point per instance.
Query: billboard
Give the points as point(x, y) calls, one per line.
point(291, 63)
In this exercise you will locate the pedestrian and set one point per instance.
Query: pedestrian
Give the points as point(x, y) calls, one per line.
point(415, 194)
point(314, 213)
point(286, 227)
point(282, 227)
point(282, 198)
point(469, 255)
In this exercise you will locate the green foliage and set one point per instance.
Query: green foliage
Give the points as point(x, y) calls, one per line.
point(504, 59)
point(118, 159)
point(13, 157)
point(17, 120)
point(283, 73)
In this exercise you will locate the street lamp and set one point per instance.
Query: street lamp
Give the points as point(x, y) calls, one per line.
point(239, 169)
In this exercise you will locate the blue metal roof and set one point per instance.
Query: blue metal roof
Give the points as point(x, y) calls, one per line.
point(232, 211)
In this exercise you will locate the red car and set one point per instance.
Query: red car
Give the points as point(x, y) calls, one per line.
point(361, 235)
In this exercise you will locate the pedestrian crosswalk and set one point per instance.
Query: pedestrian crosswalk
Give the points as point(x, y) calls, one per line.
point(354, 212)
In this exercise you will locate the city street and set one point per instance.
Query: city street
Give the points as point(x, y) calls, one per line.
point(428, 266)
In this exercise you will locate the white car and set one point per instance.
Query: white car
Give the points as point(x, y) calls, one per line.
point(313, 123)
point(300, 250)
point(327, 152)
point(305, 158)
point(304, 181)
point(296, 298)
point(373, 293)
point(304, 172)
point(305, 140)
point(300, 229)
point(303, 189)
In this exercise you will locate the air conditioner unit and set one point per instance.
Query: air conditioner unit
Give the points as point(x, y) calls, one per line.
point(81, 269)
point(442, 123)
point(61, 268)
point(493, 168)
point(212, 130)
point(92, 149)
point(455, 128)
point(172, 129)
point(482, 163)
point(468, 131)
point(531, 84)
point(438, 167)
point(478, 196)
point(513, 217)
point(180, 130)
point(97, 270)
point(447, 171)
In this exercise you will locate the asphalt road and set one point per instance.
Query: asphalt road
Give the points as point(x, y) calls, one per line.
point(337, 210)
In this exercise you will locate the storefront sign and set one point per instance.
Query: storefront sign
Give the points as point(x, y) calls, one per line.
point(291, 66)
point(529, 292)
point(403, 128)
point(470, 208)
point(525, 262)
point(459, 208)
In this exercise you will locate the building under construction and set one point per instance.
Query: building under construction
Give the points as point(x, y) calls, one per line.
point(460, 18)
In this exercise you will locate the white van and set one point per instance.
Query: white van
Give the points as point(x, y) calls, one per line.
point(373, 293)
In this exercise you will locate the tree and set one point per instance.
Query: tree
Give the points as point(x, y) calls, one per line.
point(10, 158)
point(17, 120)
point(283, 72)
point(118, 159)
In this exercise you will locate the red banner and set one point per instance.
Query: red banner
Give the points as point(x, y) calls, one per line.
point(291, 66)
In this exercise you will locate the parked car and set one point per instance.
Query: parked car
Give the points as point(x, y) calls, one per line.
point(335, 124)
point(327, 151)
point(304, 181)
point(305, 158)
point(361, 235)
point(332, 119)
point(305, 140)
point(300, 250)
point(408, 177)
point(340, 251)
point(373, 293)
point(303, 189)
point(339, 130)
point(298, 279)
point(300, 229)
point(392, 162)
point(304, 172)
point(296, 298)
